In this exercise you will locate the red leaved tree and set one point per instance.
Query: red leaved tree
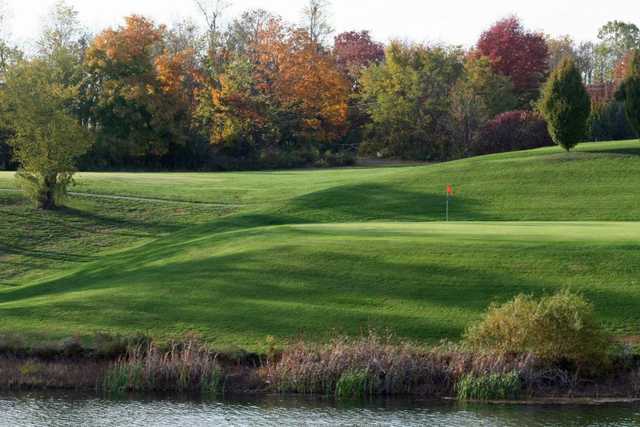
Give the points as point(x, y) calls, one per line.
point(517, 53)
point(355, 51)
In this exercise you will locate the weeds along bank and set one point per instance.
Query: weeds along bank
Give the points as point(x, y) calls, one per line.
point(344, 369)
point(527, 348)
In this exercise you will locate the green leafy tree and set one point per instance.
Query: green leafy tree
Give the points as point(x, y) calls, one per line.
point(617, 38)
point(479, 96)
point(566, 105)
point(48, 138)
point(620, 37)
point(408, 100)
point(585, 61)
point(629, 91)
point(61, 30)
point(9, 56)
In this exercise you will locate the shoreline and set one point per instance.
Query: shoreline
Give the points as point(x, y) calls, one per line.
point(246, 379)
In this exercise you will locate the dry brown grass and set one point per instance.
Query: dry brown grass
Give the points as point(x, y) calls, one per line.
point(376, 366)
point(32, 373)
point(183, 367)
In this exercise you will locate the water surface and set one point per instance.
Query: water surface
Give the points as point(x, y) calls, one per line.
point(74, 410)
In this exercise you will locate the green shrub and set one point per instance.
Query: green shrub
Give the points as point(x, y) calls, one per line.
point(121, 378)
point(629, 91)
point(356, 385)
point(566, 105)
point(554, 328)
point(512, 131)
point(608, 122)
point(489, 387)
point(632, 103)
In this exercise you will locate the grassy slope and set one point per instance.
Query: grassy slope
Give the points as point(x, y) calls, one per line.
point(38, 245)
point(302, 255)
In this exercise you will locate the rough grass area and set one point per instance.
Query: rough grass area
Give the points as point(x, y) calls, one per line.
point(238, 257)
point(37, 244)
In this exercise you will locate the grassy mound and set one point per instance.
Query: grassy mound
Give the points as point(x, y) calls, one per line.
point(242, 256)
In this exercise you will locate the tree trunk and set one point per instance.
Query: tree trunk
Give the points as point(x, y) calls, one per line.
point(47, 199)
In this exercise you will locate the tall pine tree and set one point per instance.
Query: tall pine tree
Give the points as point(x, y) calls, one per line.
point(566, 105)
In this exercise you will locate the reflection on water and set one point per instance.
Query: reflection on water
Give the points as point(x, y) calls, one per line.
point(73, 410)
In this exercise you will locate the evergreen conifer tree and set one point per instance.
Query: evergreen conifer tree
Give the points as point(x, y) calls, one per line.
point(566, 105)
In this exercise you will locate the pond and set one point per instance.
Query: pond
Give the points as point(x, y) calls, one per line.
point(34, 409)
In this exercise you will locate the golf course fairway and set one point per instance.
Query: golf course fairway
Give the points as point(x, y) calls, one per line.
point(239, 257)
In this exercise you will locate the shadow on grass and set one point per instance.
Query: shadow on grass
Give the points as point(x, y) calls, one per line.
point(119, 226)
point(375, 202)
point(622, 151)
point(50, 255)
point(236, 294)
point(285, 291)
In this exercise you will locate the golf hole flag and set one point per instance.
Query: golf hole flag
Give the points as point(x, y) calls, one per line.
point(449, 189)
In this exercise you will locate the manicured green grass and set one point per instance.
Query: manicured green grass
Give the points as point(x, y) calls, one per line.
point(311, 253)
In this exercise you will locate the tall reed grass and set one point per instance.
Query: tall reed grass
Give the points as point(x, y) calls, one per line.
point(358, 367)
point(185, 367)
point(489, 387)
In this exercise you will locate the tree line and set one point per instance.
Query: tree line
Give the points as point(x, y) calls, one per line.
point(256, 91)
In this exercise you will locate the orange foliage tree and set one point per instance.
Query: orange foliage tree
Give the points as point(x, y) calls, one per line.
point(143, 94)
point(285, 92)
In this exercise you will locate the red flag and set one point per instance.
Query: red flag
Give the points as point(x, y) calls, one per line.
point(449, 190)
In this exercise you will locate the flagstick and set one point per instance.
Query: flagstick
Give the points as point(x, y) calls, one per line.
point(447, 205)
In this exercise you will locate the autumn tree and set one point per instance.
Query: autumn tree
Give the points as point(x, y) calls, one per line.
point(142, 91)
point(408, 100)
point(48, 138)
point(560, 48)
point(354, 51)
point(566, 105)
point(310, 82)
point(622, 69)
point(286, 93)
point(518, 54)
